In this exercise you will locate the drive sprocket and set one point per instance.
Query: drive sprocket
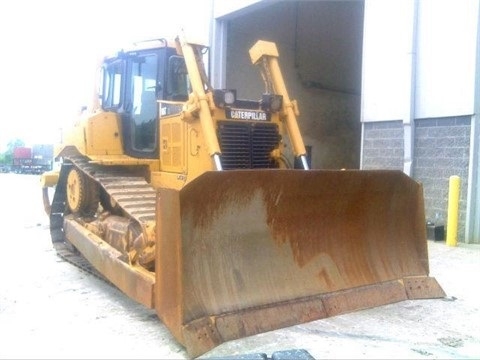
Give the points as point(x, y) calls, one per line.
point(82, 194)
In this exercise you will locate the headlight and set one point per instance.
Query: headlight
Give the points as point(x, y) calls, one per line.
point(224, 98)
point(271, 102)
point(229, 97)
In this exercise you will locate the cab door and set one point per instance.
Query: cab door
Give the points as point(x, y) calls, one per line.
point(140, 119)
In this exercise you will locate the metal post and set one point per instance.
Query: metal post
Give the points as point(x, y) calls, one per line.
point(453, 199)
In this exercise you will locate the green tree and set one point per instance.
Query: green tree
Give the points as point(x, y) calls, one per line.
point(6, 158)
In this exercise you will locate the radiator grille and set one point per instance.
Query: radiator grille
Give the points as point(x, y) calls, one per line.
point(247, 145)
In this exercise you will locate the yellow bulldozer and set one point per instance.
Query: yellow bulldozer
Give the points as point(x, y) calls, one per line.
point(184, 197)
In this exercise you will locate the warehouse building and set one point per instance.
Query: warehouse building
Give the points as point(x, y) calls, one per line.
point(379, 84)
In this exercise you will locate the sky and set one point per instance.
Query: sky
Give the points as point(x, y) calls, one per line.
point(50, 49)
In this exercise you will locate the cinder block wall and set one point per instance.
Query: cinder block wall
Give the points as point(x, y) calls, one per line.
point(383, 145)
point(441, 149)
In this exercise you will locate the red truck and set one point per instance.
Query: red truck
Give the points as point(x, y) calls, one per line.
point(32, 161)
point(22, 159)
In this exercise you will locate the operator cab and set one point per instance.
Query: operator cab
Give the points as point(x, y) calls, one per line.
point(133, 83)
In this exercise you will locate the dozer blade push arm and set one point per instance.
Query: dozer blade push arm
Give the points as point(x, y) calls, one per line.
point(266, 53)
point(192, 62)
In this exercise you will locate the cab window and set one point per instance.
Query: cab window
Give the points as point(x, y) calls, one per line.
point(112, 85)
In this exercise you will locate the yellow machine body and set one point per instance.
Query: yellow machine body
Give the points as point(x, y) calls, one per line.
point(227, 253)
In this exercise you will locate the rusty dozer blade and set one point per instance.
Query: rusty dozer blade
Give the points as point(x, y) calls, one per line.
point(244, 252)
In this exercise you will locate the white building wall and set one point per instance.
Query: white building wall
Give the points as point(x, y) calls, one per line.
point(386, 46)
point(447, 38)
point(445, 58)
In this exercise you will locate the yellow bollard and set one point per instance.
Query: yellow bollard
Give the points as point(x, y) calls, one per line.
point(453, 199)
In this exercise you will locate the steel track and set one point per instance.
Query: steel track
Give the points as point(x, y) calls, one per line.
point(130, 191)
